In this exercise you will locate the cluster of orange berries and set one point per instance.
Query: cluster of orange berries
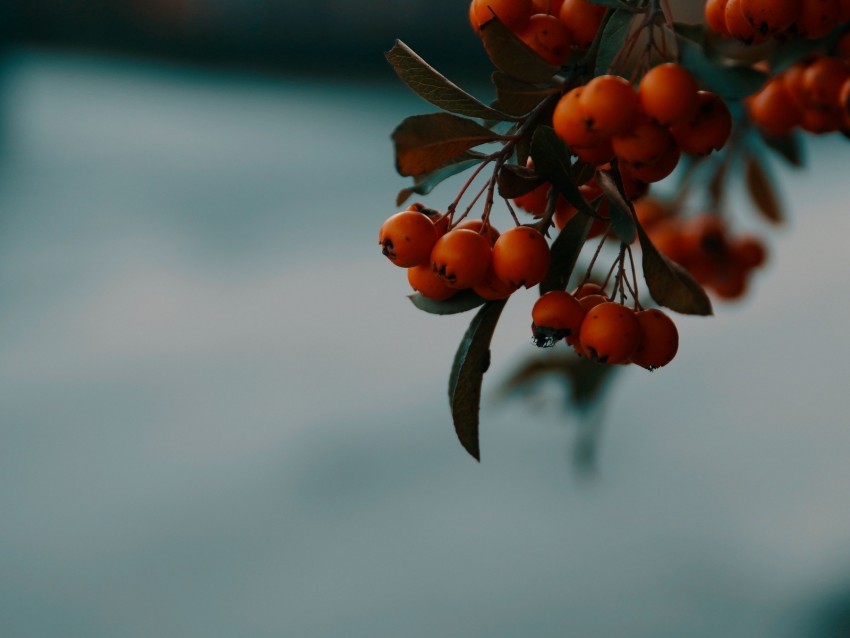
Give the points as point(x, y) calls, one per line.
point(646, 129)
point(603, 330)
point(550, 27)
point(703, 246)
point(442, 260)
point(754, 21)
point(813, 94)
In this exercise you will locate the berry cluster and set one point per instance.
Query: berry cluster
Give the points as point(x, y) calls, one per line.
point(645, 130)
point(443, 259)
point(754, 21)
point(549, 27)
point(603, 330)
point(813, 94)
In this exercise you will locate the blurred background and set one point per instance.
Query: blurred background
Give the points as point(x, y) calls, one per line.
point(219, 415)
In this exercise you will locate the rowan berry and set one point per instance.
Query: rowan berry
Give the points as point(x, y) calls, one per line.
point(737, 24)
point(583, 19)
point(521, 257)
point(492, 288)
point(547, 36)
point(610, 333)
point(407, 238)
point(655, 170)
point(588, 288)
point(749, 251)
point(770, 16)
point(773, 109)
point(513, 13)
point(668, 94)
point(609, 105)
point(555, 315)
point(822, 81)
point(569, 122)
point(817, 18)
point(715, 16)
point(552, 7)
point(478, 226)
point(649, 211)
point(644, 143)
point(461, 257)
point(428, 283)
point(659, 341)
point(708, 130)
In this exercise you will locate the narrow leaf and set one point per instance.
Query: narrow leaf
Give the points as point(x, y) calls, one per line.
point(471, 362)
point(613, 37)
point(463, 301)
point(670, 284)
point(424, 184)
point(515, 96)
point(512, 56)
point(732, 82)
point(553, 164)
point(760, 187)
point(622, 220)
point(424, 143)
point(788, 147)
point(515, 181)
point(565, 251)
point(432, 86)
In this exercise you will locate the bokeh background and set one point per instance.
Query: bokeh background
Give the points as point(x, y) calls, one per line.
point(219, 415)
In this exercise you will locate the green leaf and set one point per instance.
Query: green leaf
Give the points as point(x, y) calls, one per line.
point(463, 301)
point(731, 82)
point(471, 362)
point(515, 181)
point(553, 164)
point(622, 219)
point(614, 35)
point(565, 251)
point(761, 190)
point(788, 147)
point(432, 86)
point(670, 284)
point(515, 96)
point(424, 143)
point(512, 56)
point(424, 184)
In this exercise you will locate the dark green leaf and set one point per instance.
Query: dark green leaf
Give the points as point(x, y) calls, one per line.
point(424, 184)
point(431, 85)
point(471, 362)
point(553, 164)
point(760, 187)
point(788, 147)
point(515, 181)
point(670, 284)
point(611, 4)
point(622, 220)
point(463, 301)
point(613, 37)
point(732, 82)
point(517, 97)
point(424, 143)
point(512, 56)
point(565, 251)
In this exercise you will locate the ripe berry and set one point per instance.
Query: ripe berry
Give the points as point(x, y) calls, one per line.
point(461, 257)
point(659, 341)
point(773, 109)
point(668, 94)
point(770, 16)
point(569, 121)
point(513, 13)
point(407, 238)
point(548, 37)
point(521, 257)
point(708, 130)
point(428, 283)
point(582, 19)
point(555, 315)
point(609, 105)
point(644, 143)
point(822, 82)
point(715, 16)
point(817, 18)
point(610, 333)
point(478, 225)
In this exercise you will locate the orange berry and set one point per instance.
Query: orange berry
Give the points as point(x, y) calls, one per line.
point(588, 288)
point(655, 170)
point(666, 236)
point(610, 333)
point(491, 287)
point(773, 109)
point(818, 122)
point(708, 130)
point(737, 24)
point(668, 94)
point(729, 280)
point(844, 16)
point(552, 7)
point(478, 225)
point(659, 339)
point(535, 201)
point(715, 16)
point(569, 122)
point(822, 82)
point(644, 143)
point(770, 16)
point(594, 154)
point(514, 13)
point(548, 37)
point(428, 283)
point(609, 105)
point(555, 315)
point(407, 238)
point(521, 257)
point(461, 257)
point(817, 18)
point(582, 19)
point(650, 211)
point(749, 251)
